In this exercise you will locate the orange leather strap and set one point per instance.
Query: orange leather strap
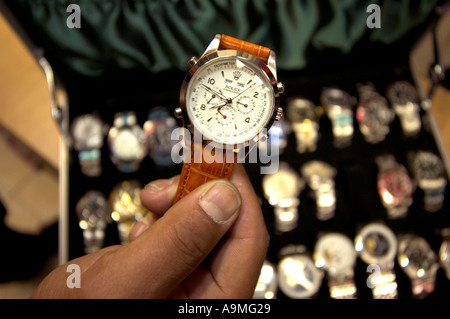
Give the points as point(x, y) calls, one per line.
point(227, 42)
point(195, 174)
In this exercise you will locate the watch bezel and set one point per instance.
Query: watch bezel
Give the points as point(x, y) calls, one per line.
point(227, 54)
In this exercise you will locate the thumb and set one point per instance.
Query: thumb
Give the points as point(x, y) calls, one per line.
point(179, 241)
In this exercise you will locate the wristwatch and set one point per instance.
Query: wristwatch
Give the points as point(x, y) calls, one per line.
point(126, 141)
point(301, 114)
point(298, 277)
point(94, 214)
point(395, 187)
point(338, 106)
point(267, 286)
point(419, 262)
point(320, 177)
point(228, 101)
point(126, 207)
point(444, 252)
point(376, 245)
point(373, 114)
point(282, 190)
point(428, 172)
point(405, 101)
point(334, 253)
point(88, 132)
point(158, 130)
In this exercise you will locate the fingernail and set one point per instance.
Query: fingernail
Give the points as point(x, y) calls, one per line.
point(220, 202)
point(140, 227)
point(159, 185)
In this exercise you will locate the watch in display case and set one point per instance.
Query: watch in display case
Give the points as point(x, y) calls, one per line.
point(405, 101)
point(335, 253)
point(428, 171)
point(444, 252)
point(282, 190)
point(373, 114)
point(94, 214)
point(88, 132)
point(419, 262)
point(301, 113)
point(298, 277)
point(376, 245)
point(126, 207)
point(395, 187)
point(158, 131)
point(230, 99)
point(277, 140)
point(338, 106)
point(126, 141)
point(267, 286)
point(319, 176)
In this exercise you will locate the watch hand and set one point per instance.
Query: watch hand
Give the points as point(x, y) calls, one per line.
point(218, 105)
point(223, 115)
point(215, 92)
point(250, 87)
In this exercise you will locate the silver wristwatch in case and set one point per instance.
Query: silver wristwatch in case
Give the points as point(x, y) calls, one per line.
point(126, 141)
point(419, 262)
point(395, 186)
point(338, 106)
point(298, 277)
point(301, 114)
point(405, 101)
point(266, 288)
point(429, 174)
point(334, 253)
point(88, 132)
point(376, 245)
point(282, 190)
point(320, 177)
point(158, 130)
point(94, 214)
point(373, 114)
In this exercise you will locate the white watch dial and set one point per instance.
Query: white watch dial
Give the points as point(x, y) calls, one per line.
point(127, 146)
point(229, 100)
point(87, 131)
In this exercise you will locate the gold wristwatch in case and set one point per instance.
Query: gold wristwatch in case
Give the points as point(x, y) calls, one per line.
point(376, 245)
point(127, 209)
point(282, 190)
point(334, 253)
point(301, 113)
point(444, 252)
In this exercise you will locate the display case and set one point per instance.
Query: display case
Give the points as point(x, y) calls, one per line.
point(361, 208)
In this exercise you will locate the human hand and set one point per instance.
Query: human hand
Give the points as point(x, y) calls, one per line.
point(210, 244)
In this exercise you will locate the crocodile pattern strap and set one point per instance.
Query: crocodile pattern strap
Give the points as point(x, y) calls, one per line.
point(195, 174)
point(227, 42)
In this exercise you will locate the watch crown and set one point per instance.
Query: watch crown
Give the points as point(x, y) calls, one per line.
point(279, 114)
point(280, 87)
point(178, 113)
point(192, 61)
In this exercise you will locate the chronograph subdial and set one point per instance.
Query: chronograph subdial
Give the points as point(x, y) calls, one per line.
point(225, 116)
point(245, 104)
